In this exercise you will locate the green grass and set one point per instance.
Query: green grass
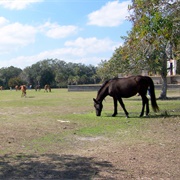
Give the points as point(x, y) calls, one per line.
point(43, 122)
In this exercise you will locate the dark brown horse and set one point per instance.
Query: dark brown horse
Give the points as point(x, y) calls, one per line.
point(47, 87)
point(37, 87)
point(119, 88)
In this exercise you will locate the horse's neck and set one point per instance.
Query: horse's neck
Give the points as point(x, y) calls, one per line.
point(102, 94)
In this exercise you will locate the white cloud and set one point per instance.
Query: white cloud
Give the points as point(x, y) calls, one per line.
point(53, 30)
point(112, 14)
point(15, 35)
point(86, 51)
point(79, 48)
point(93, 45)
point(3, 21)
point(17, 4)
point(25, 61)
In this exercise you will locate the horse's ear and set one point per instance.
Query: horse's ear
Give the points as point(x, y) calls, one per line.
point(94, 100)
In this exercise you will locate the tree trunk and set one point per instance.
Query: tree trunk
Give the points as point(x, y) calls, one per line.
point(163, 94)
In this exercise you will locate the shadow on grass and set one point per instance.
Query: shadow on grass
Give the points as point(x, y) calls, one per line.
point(163, 114)
point(169, 98)
point(30, 96)
point(52, 166)
point(138, 98)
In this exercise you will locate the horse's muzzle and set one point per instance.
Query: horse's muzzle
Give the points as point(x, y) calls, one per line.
point(98, 114)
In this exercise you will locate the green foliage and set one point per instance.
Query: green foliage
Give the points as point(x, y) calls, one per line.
point(55, 72)
point(8, 74)
point(155, 27)
point(15, 81)
point(104, 70)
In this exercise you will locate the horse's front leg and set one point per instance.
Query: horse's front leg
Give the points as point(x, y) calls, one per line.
point(123, 106)
point(115, 107)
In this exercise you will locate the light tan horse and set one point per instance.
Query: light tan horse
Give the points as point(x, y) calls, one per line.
point(23, 90)
point(1, 88)
point(47, 87)
point(17, 88)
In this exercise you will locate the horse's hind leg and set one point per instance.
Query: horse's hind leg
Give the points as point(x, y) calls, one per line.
point(145, 101)
point(123, 106)
point(147, 106)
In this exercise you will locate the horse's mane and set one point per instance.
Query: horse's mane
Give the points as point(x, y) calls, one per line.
point(104, 84)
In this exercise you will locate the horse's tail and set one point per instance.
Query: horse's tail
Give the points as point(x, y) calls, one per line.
point(153, 97)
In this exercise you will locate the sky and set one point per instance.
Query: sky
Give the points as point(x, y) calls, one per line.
point(77, 31)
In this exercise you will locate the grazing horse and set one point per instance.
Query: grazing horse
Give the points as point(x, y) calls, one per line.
point(1, 88)
point(37, 87)
point(23, 90)
point(17, 87)
point(47, 87)
point(119, 88)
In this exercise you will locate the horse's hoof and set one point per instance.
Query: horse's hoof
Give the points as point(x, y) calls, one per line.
point(147, 115)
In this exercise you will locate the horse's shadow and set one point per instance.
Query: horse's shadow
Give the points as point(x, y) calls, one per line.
point(53, 166)
point(163, 114)
point(160, 114)
point(170, 98)
point(30, 96)
point(138, 98)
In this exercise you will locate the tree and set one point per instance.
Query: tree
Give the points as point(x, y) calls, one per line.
point(47, 76)
point(155, 24)
point(7, 73)
point(40, 73)
point(58, 73)
point(104, 71)
point(15, 81)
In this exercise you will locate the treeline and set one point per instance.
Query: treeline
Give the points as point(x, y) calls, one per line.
point(55, 72)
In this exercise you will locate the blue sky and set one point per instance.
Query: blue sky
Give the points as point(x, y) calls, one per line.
point(78, 31)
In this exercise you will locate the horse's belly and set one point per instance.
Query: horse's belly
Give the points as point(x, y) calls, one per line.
point(124, 92)
point(128, 95)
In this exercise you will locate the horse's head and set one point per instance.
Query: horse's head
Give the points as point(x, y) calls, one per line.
point(98, 106)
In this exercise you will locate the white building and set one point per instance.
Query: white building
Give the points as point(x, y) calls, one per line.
point(172, 66)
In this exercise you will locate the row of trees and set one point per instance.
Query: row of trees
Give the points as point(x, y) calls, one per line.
point(57, 73)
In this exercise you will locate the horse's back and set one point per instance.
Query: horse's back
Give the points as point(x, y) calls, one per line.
point(128, 86)
point(133, 81)
point(23, 88)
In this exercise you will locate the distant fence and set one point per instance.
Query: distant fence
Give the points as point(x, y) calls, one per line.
point(96, 87)
point(93, 87)
point(173, 83)
point(170, 79)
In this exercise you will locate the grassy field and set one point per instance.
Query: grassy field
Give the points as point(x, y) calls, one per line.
point(44, 130)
